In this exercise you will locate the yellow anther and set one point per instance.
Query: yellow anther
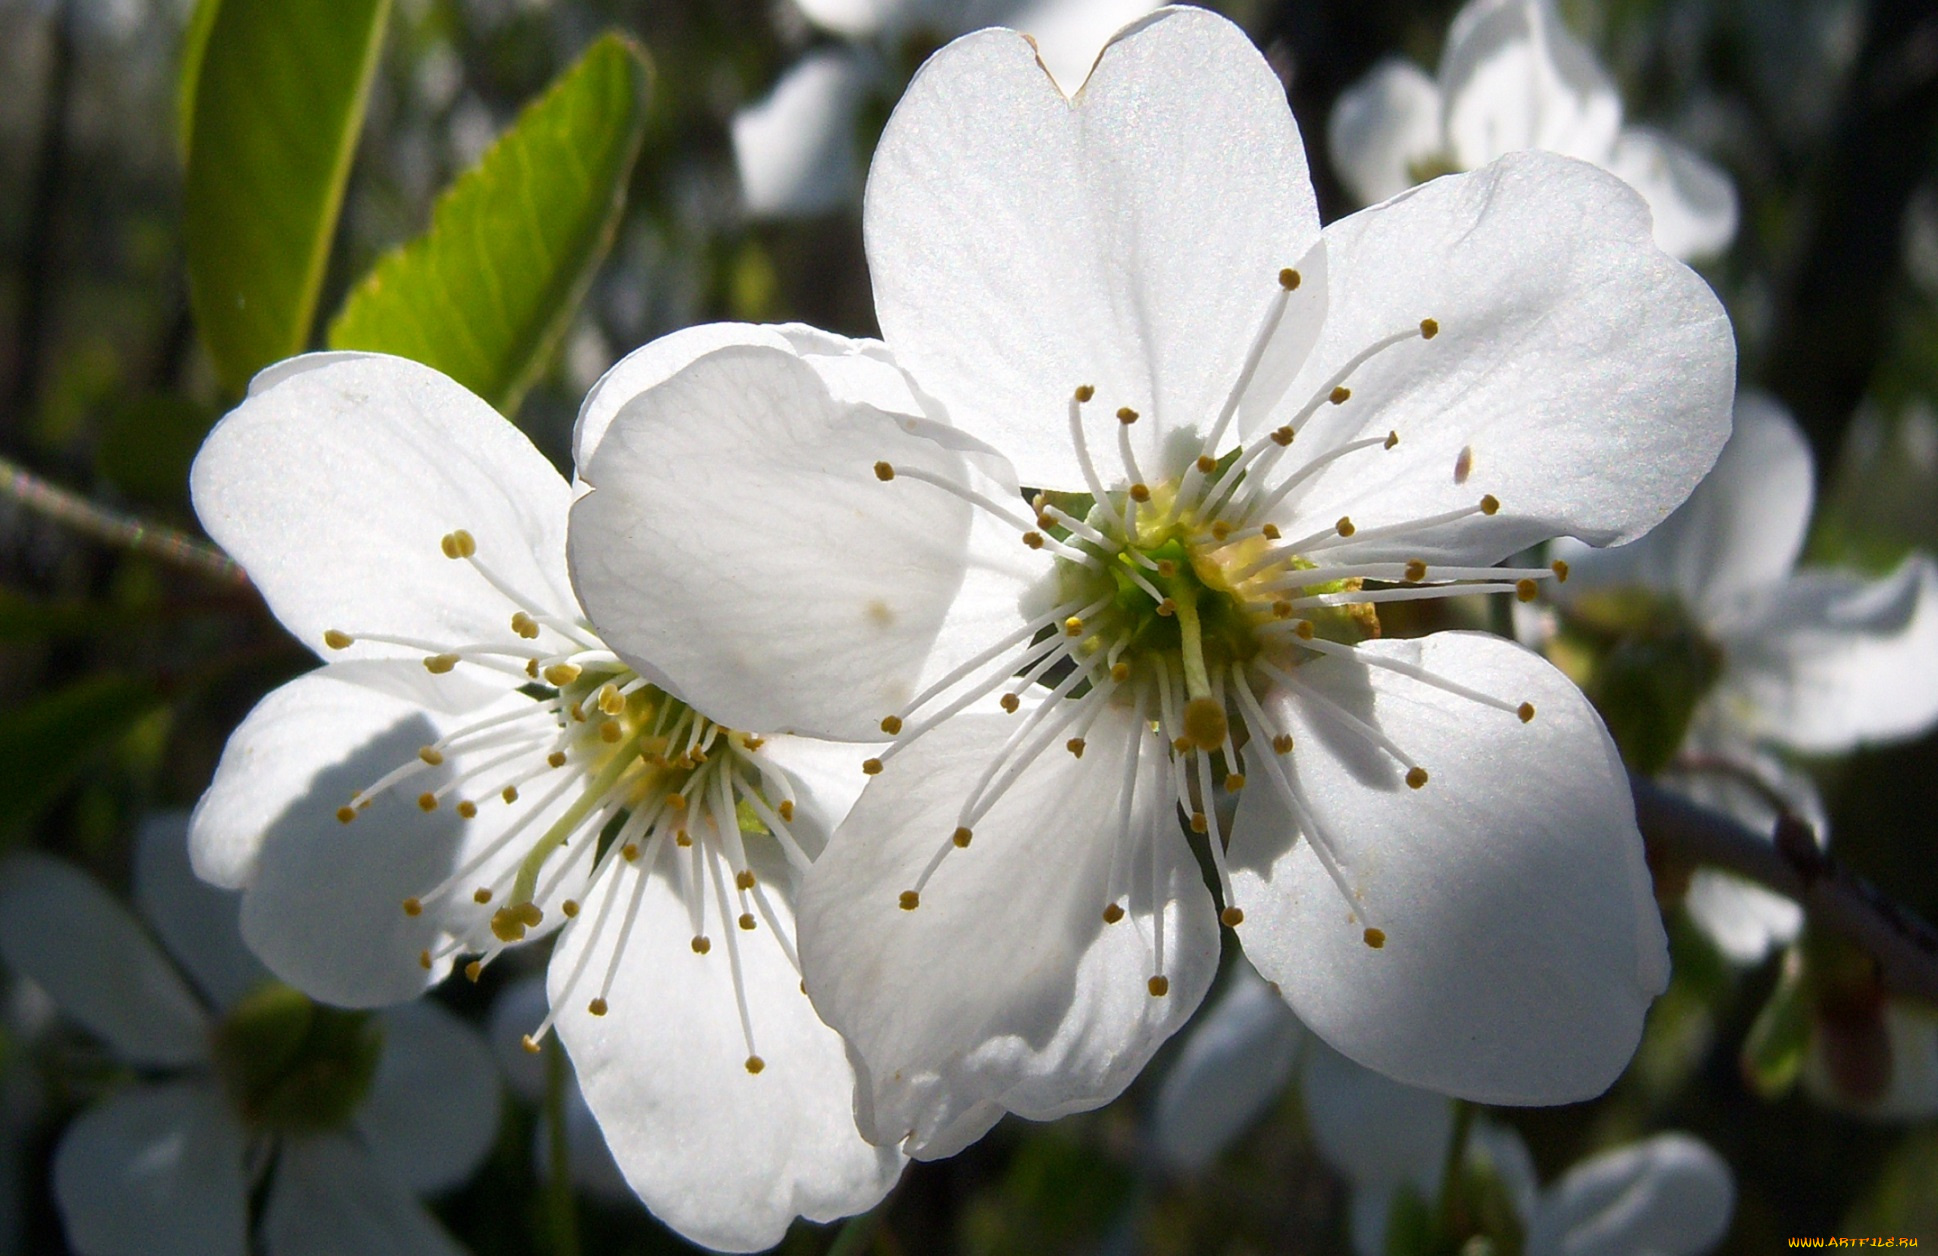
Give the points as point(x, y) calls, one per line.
point(747, 921)
point(468, 809)
point(346, 814)
point(1198, 822)
point(438, 664)
point(676, 801)
point(571, 908)
point(1205, 723)
point(1490, 505)
point(1270, 531)
point(431, 755)
point(1120, 671)
point(1304, 631)
point(871, 767)
point(338, 640)
point(1560, 569)
point(1220, 530)
point(1283, 436)
point(1113, 914)
point(1345, 526)
point(1416, 571)
point(531, 668)
point(1340, 395)
point(1416, 777)
point(909, 900)
point(577, 712)
point(1182, 745)
point(473, 971)
point(1044, 522)
point(413, 907)
point(1231, 917)
point(1206, 464)
point(610, 699)
point(1126, 415)
point(1525, 589)
point(1429, 328)
point(1234, 781)
point(1140, 493)
point(1166, 568)
point(481, 895)
point(1526, 712)
point(702, 944)
point(752, 744)
point(682, 839)
point(1289, 279)
point(1085, 392)
point(630, 852)
point(744, 879)
point(1282, 744)
point(524, 625)
point(509, 793)
point(556, 758)
point(1375, 938)
point(1159, 986)
point(1167, 608)
point(427, 802)
point(1009, 702)
point(755, 1064)
point(1033, 539)
point(610, 732)
point(424, 960)
point(786, 809)
point(1074, 746)
point(558, 675)
point(597, 1007)
point(530, 1044)
point(1073, 627)
point(1392, 439)
point(961, 837)
point(459, 544)
point(884, 471)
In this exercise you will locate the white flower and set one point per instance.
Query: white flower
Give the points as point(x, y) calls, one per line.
point(1512, 77)
point(1118, 292)
point(796, 148)
point(592, 1167)
point(474, 768)
point(408, 1103)
point(1813, 661)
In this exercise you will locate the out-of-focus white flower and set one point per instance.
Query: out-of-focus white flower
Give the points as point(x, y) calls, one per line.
point(350, 1115)
point(1513, 77)
point(1095, 295)
point(796, 148)
point(1813, 661)
point(1236, 1060)
point(473, 769)
point(518, 1007)
point(1876, 1057)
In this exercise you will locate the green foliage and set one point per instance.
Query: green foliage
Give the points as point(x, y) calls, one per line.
point(279, 101)
point(1644, 665)
point(294, 1065)
point(1773, 1051)
point(485, 294)
point(147, 443)
point(195, 42)
point(47, 744)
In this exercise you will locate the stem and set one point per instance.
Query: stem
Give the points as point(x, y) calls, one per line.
point(1184, 593)
point(561, 1211)
point(857, 1232)
point(1453, 1177)
point(1791, 863)
point(527, 881)
point(156, 541)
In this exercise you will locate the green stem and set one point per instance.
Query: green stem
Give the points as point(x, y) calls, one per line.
point(562, 1218)
point(1184, 594)
point(622, 758)
point(68, 507)
point(1453, 1176)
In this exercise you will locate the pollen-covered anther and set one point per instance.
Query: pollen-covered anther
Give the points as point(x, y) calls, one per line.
point(427, 802)
point(1392, 439)
point(1525, 589)
point(786, 809)
point(1167, 608)
point(1034, 540)
point(746, 921)
point(1345, 526)
point(1375, 938)
point(1084, 393)
point(530, 1044)
point(1282, 744)
point(1283, 436)
point(1206, 464)
point(1416, 571)
point(1120, 671)
point(1199, 824)
point(1045, 522)
point(755, 1064)
point(481, 895)
point(438, 664)
point(1234, 781)
point(1009, 702)
point(909, 900)
point(702, 944)
point(338, 640)
point(524, 625)
point(1526, 712)
point(1416, 777)
point(1281, 609)
point(459, 544)
point(676, 801)
point(1075, 746)
point(610, 699)
point(1220, 530)
point(424, 960)
point(346, 814)
point(1159, 986)
point(884, 471)
point(682, 839)
point(1181, 745)
point(961, 836)
point(1126, 416)
point(1560, 569)
point(871, 767)
point(744, 879)
point(1304, 631)
point(1073, 627)
point(1340, 395)
point(891, 724)
point(597, 1007)
point(413, 907)
point(558, 675)
point(610, 732)
point(1140, 493)
point(1490, 505)
point(431, 755)
point(1113, 914)
point(1429, 328)
point(509, 793)
point(1289, 279)
point(555, 759)
point(570, 908)
point(468, 809)
point(1231, 917)
point(473, 971)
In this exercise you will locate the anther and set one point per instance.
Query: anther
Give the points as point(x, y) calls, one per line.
point(1167, 568)
point(871, 767)
point(1127, 416)
point(1205, 723)
point(346, 814)
point(755, 1064)
point(1234, 781)
point(468, 809)
point(459, 544)
point(702, 944)
point(1560, 569)
point(570, 908)
point(1181, 745)
point(747, 920)
point(609, 699)
point(676, 801)
point(1270, 531)
point(1085, 392)
point(556, 759)
point(559, 675)
point(1305, 630)
point(1524, 589)
point(509, 793)
point(1140, 493)
point(610, 732)
point(1289, 279)
point(424, 960)
point(473, 971)
point(597, 1007)
point(1345, 526)
point(891, 724)
point(438, 664)
point(1282, 744)
point(682, 839)
point(1392, 439)
point(630, 852)
point(1416, 777)
point(786, 809)
point(1167, 608)
point(1033, 539)
point(531, 668)
point(524, 625)
point(1340, 395)
point(1416, 571)
point(431, 755)
point(1120, 672)
point(1231, 917)
point(1009, 702)
point(909, 900)
point(1206, 464)
point(1526, 712)
point(1490, 505)
point(962, 836)
point(1282, 436)
point(1198, 822)
point(1044, 522)
point(884, 471)
point(1073, 627)
point(1113, 914)
point(1375, 938)
point(530, 1044)
point(413, 907)
point(338, 640)
point(744, 879)
point(1159, 986)
point(481, 895)
point(1220, 530)
point(1075, 746)
point(427, 802)
point(1429, 328)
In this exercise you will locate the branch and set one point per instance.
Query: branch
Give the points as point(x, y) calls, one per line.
point(77, 512)
point(1791, 863)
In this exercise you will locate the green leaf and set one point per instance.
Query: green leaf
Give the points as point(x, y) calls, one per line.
point(1773, 1051)
point(485, 294)
point(47, 744)
point(195, 42)
point(279, 98)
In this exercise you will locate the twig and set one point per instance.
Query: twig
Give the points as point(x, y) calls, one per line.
point(1791, 863)
point(127, 531)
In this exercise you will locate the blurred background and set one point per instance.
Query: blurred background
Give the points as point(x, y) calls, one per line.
point(121, 672)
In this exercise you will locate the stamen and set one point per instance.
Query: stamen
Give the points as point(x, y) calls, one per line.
point(1412, 672)
point(1082, 448)
point(1367, 732)
point(972, 496)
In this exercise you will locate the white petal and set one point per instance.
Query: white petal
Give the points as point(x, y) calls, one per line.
point(432, 1110)
point(858, 19)
point(1514, 77)
point(1831, 660)
point(1586, 376)
point(1668, 1196)
point(1372, 1129)
point(154, 1171)
point(825, 780)
point(1069, 34)
point(1693, 202)
point(1004, 987)
point(651, 364)
point(276, 372)
point(726, 1157)
point(334, 487)
point(1740, 531)
point(795, 148)
point(1522, 944)
point(329, 1199)
point(1744, 920)
point(739, 543)
point(1022, 245)
point(1383, 128)
point(1234, 1064)
point(60, 929)
point(196, 921)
